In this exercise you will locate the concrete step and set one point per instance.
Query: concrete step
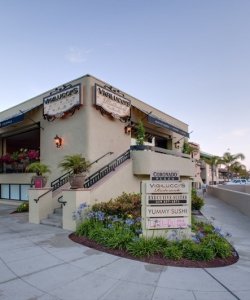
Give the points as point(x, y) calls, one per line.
point(54, 219)
point(51, 222)
point(58, 211)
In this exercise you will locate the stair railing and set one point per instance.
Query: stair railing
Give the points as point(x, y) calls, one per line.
point(95, 177)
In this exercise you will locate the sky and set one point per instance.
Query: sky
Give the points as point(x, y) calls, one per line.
point(188, 58)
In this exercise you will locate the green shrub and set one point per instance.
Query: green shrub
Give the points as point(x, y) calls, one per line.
point(122, 206)
point(23, 207)
point(118, 238)
point(84, 228)
point(218, 245)
point(197, 202)
point(172, 252)
point(143, 247)
point(198, 252)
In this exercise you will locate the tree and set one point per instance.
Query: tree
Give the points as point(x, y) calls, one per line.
point(238, 169)
point(213, 162)
point(229, 160)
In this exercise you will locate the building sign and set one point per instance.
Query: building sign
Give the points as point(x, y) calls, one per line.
point(167, 199)
point(162, 223)
point(161, 123)
point(165, 175)
point(13, 120)
point(166, 211)
point(115, 104)
point(61, 101)
point(162, 187)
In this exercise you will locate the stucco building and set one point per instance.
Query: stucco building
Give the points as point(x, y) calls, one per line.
point(99, 121)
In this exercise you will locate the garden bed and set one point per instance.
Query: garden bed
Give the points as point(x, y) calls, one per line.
point(157, 259)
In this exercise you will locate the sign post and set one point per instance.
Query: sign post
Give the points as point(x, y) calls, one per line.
point(166, 204)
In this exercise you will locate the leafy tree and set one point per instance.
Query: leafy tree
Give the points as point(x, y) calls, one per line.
point(229, 160)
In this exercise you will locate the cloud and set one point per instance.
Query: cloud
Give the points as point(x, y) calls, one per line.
point(77, 55)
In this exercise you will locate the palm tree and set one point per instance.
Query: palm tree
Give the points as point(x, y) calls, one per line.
point(238, 169)
point(213, 162)
point(229, 159)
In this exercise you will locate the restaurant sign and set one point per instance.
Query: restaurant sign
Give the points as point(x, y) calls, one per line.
point(62, 100)
point(166, 211)
point(112, 102)
point(162, 187)
point(160, 223)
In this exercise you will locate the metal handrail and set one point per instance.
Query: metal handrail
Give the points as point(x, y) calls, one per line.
point(95, 177)
point(60, 201)
point(36, 200)
point(60, 181)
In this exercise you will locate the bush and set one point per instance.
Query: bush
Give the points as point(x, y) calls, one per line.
point(172, 252)
point(23, 207)
point(122, 206)
point(218, 245)
point(198, 252)
point(143, 247)
point(196, 201)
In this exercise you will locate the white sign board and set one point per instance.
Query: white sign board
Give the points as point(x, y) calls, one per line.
point(165, 175)
point(166, 211)
point(165, 223)
point(111, 102)
point(161, 187)
point(167, 199)
point(62, 101)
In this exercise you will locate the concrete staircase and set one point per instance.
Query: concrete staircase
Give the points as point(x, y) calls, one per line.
point(54, 219)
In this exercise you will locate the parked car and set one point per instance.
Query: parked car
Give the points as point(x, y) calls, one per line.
point(238, 181)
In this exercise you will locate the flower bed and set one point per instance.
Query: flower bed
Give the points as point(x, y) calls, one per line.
point(115, 227)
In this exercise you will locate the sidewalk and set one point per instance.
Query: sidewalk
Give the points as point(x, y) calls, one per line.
point(40, 262)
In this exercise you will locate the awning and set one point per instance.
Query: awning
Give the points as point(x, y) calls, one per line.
point(16, 118)
point(156, 121)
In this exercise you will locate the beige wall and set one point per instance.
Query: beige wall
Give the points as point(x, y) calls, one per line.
point(146, 161)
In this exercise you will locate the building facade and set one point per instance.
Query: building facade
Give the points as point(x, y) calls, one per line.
point(90, 117)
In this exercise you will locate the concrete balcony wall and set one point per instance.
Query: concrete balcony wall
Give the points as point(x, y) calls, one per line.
point(146, 161)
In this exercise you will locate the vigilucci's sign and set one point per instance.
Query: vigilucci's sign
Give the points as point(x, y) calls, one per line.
point(61, 100)
point(163, 187)
point(112, 102)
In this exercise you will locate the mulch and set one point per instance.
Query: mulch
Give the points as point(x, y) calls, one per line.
point(158, 259)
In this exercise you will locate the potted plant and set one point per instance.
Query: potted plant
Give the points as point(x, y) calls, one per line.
point(78, 166)
point(39, 180)
point(140, 136)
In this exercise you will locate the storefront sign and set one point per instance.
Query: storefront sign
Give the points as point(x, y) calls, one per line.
point(165, 175)
point(162, 187)
point(167, 199)
point(111, 102)
point(59, 102)
point(165, 223)
point(161, 123)
point(13, 120)
point(166, 211)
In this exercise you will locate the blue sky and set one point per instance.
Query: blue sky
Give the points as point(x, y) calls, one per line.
point(189, 58)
